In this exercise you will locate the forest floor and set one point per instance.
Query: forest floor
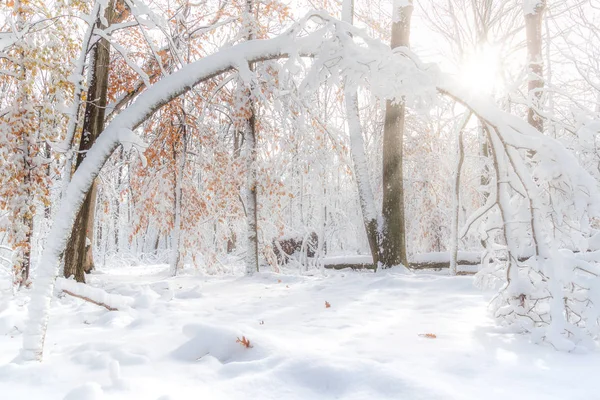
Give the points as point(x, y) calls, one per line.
point(179, 342)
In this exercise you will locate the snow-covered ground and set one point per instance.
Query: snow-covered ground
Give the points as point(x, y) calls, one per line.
point(179, 342)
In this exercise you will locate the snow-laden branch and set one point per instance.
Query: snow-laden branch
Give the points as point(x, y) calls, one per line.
point(121, 130)
point(111, 302)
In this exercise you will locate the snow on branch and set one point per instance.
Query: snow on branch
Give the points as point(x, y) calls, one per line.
point(111, 302)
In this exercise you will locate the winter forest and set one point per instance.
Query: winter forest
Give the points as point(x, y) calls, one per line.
point(299, 199)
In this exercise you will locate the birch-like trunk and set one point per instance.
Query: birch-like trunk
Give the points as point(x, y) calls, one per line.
point(460, 157)
point(359, 156)
point(251, 195)
point(175, 261)
point(533, 27)
point(250, 142)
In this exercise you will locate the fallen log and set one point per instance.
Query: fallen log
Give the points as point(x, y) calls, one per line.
point(440, 264)
point(413, 265)
point(436, 261)
point(353, 266)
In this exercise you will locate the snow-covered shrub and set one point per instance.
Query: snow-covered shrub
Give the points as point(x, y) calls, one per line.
point(538, 254)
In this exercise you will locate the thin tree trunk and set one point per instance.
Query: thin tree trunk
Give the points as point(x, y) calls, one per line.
point(533, 27)
point(393, 238)
point(250, 141)
point(76, 257)
point(251, 196)
point(176, 240)
point(117, 202)
point(88, 262)
point(460, 157)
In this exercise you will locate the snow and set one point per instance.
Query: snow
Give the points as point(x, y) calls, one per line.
point(80, 289)
point(366, 345)
point(398, 5)
point(532, 6)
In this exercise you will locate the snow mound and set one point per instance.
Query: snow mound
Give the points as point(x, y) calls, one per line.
point(146, 298)
point(114, 372)
point(164, 289)
point(594, 242)
point(11, 320)
point(340, 377)
point(272, 277)
point(193, 293)
point(218, 342)
point(87, 391)
point(101, 355)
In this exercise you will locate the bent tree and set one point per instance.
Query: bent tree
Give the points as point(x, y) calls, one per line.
point(390, 75)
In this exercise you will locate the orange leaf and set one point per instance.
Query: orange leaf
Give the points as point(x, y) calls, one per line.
point(327, 305)
point(428, 335)
point(244, 342)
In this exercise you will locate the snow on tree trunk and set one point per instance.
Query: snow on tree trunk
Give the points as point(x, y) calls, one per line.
point(252, 264)
point(73, 112)
point(175, 261)
point(251, 205)
point(460, 156)
point(359, 157)
point(534, 12)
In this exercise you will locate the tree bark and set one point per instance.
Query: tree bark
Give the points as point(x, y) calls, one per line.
point(250, 141)
point(359, 158)
point(393, 239)
point(88, 262)
point(535, 85)
point(178, 176)
point(77, 258)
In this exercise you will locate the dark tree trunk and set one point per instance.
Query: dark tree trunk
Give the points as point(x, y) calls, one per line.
point(393, 240)
point(76, 257)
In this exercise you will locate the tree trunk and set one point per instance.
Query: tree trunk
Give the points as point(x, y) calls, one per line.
point(460, 157)
point(393, 239)
point(359, 157)
point(251, 197)
point(250, 141)
point(533, 27)
point(176, 237)
point(76, 254)
point(88, 262)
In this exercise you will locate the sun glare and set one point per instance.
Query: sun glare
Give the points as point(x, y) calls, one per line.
point(479, 71)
